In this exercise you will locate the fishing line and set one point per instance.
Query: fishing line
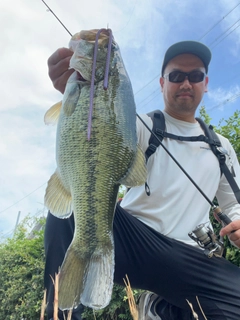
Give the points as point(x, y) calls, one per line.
point(131, 14)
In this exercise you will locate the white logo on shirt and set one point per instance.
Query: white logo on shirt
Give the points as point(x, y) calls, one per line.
point(205, 148)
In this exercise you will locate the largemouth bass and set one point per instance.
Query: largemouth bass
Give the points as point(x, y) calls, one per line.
point(90, 169)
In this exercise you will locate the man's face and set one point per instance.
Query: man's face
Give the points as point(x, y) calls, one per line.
point(182, 99)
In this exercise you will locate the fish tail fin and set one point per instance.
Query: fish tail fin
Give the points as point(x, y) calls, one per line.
point(99, 279)
point(71, 279)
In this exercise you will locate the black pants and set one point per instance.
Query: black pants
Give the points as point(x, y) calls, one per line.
point(154, 262)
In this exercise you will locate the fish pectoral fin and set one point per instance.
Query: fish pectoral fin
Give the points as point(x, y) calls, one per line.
point(137, 173)
point(57, 199)
point(52, 115)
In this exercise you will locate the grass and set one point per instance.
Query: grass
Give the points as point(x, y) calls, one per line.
point(130, 297)
point(55, 302)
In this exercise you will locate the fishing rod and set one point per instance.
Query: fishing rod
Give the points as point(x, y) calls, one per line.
point(205, 237)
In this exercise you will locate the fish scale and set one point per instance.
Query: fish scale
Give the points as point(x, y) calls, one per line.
point(89, 172)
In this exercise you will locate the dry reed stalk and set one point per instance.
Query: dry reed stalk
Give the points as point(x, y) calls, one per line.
point(43, 307)
point(201, 308)
point(131, 299)
point(55, 302)
point(69, 317)
point(193, 312)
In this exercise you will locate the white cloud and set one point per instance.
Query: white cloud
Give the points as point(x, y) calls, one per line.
point(220, 96)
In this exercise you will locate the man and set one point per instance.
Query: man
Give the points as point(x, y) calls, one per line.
point(151, 231)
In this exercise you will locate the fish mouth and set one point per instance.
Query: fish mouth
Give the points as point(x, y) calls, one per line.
point(90, 35)
point(77, 77)
point(80, 77)
point(82, 67)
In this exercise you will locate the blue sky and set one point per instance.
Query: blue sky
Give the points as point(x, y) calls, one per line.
point(143, 30)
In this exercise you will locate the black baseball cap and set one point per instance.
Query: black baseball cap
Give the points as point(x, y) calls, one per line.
point(193, 47)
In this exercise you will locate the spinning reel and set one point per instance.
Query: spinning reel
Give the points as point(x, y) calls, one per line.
point(206, 238)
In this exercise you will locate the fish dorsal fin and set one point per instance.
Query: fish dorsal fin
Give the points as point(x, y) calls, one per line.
point(137, 173)
point(52, 115)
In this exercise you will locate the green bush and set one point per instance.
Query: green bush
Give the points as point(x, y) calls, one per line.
point(21, 275)
point(21, 280)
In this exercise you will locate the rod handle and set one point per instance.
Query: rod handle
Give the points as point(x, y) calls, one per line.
point(221, 217)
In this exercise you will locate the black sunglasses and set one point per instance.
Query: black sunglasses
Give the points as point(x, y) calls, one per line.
point(179, 76)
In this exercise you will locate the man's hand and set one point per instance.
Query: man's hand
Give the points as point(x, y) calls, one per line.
point(58, 71)
point(232, 230)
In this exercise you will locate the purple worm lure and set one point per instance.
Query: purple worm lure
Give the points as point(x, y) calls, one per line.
point(105, 81)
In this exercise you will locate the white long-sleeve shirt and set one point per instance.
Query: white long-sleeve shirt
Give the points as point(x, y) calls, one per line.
point(175, 207)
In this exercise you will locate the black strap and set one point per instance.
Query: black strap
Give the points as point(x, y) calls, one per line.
point(231, 181)
point(215, 146)
point(211, 134)
point(158, 128)
point(210, 137)
point(181, 138)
